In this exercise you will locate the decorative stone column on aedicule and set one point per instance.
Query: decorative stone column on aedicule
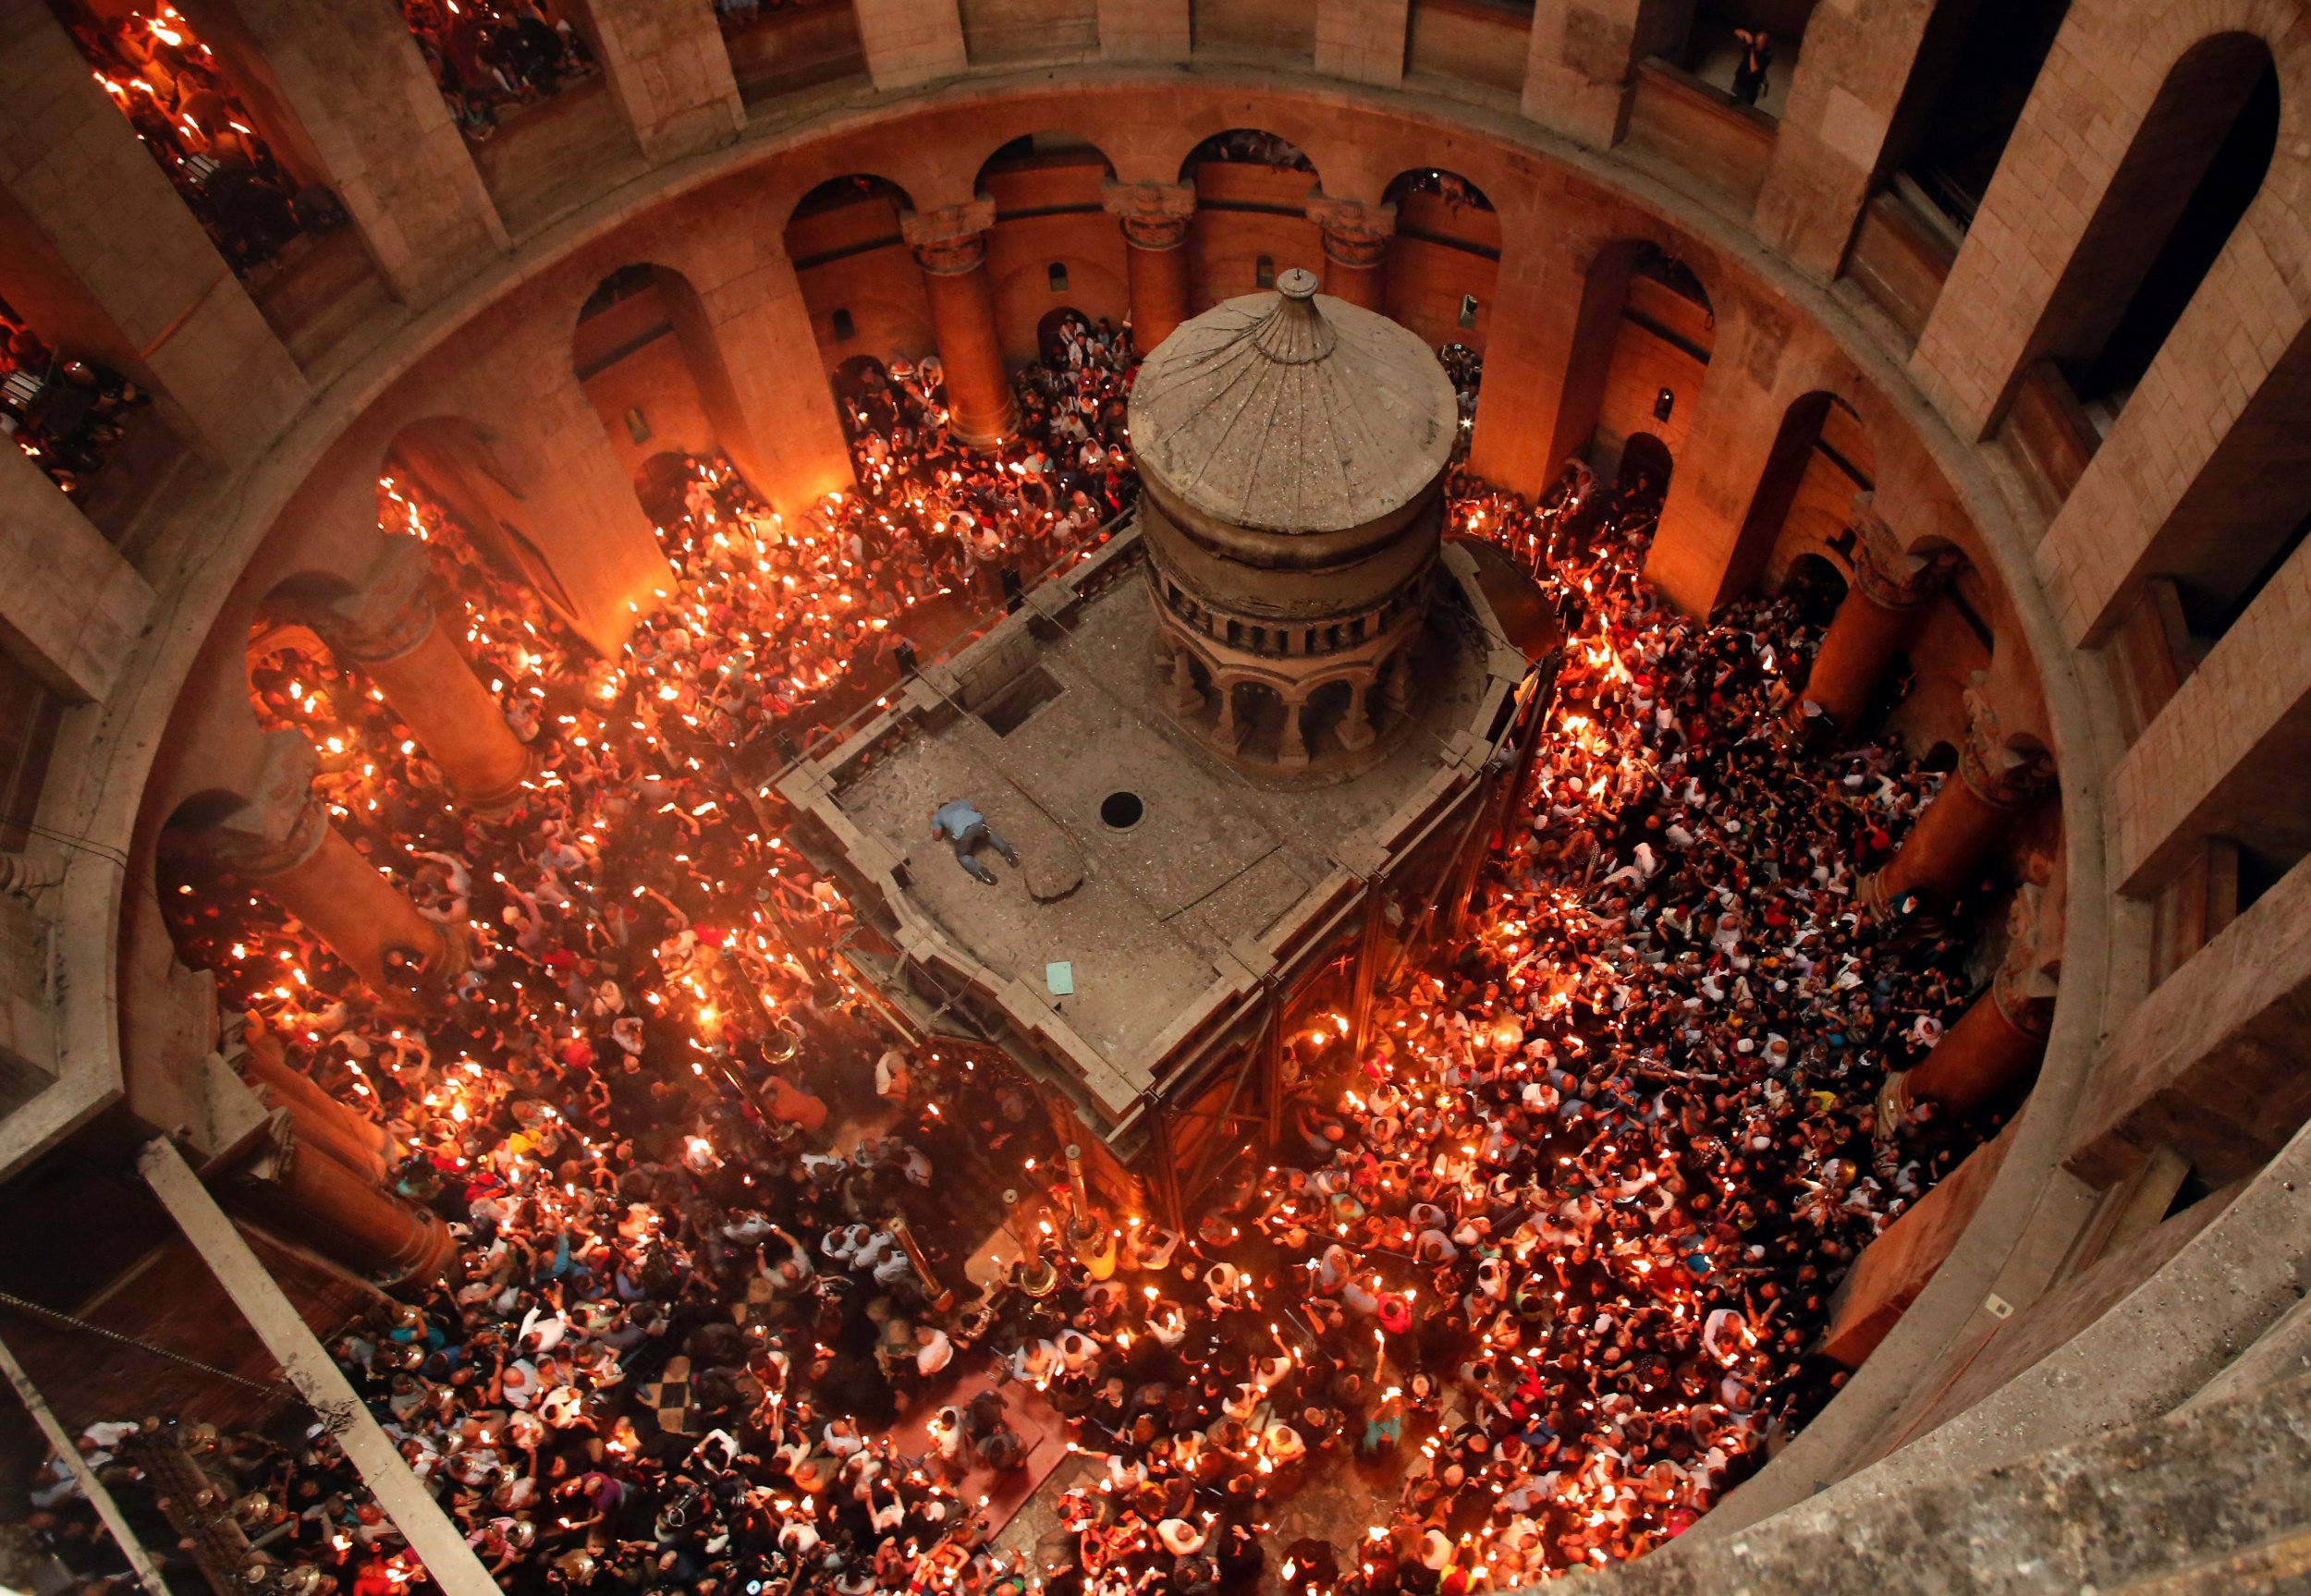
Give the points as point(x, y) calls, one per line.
point(1154, 219)
point(950, 245)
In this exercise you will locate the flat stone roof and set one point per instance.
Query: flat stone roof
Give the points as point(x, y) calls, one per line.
point(1171, 912)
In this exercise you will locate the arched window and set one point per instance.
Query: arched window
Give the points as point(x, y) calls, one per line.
point(1264, 271)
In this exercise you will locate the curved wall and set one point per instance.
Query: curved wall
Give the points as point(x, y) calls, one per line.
point(1797, 330)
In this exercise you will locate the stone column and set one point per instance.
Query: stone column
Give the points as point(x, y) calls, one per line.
point(1356, 238)
point(779, 423)
point(1398, 690)
point(113, 263)
point(347, 1215)
point(1154, 219)
point(1834, 129)
point(321, 1121)
point(353, 78)
point(910, 42)
point(1977, 807)
point(1581, 62)
point(1555, 314)
point(1186, 697)
point(72, 608)
point(671, 73)
point(1873, 623)
point(1987, 1060)
point(1356, 726)
point(1362, 40)
point(1229, 733)
point(280, 842)
point(1292, 749)
point(950, 245)
point(390, 633)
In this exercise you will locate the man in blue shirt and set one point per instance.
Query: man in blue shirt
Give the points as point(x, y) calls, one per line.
point(960, 822)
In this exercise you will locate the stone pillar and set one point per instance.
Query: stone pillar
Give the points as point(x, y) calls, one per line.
point(1155, 218)
point(1356, 238)
point(1186, 697)
point(1894, 1268)
point(1356, 726)
point(1890, 589)
point(390, 633)
point(1985, 1060)
point(671, 73)
point(1362, 40)
point(1399, 691)
point(1833, 132)
point(912, 41)
point(321, 1121)
point(113, 262)
point(780, 424)
point(346, 1215)
point(1145, 29)
point(72, 608)
point(280, 842)
point(1291, 750)
point(1229, 733)
point(1555, 318)
point(1718, 525)
point(1581, 62)
point(2210, 1062)
point(353, 78)
point(1977, 807)
point(950, 244)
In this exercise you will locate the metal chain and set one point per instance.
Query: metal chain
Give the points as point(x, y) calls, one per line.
point(269, 1388)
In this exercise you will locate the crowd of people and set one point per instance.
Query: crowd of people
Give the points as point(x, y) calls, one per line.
point(1543, 1252)
point(488, 57)
point(175, 93)
point(63, 411)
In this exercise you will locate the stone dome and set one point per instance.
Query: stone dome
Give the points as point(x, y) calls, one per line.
point(1292, 411)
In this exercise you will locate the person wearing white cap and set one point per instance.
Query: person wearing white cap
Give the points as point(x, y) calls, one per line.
point(1180, 1537)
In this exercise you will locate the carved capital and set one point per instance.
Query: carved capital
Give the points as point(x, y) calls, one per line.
point(1153, 215)
point(1355, 234)
point(1999, 773)
point(2030, 975)
point(950, 240)
point(1887, 575)
point(277, 826)
point(390, 615)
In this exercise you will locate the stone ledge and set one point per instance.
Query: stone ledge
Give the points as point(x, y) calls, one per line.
point(2182, 1504)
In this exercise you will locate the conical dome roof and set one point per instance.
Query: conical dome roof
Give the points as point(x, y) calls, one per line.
point(1292, 412)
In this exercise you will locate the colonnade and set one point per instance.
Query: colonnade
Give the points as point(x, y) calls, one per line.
point(949, 244)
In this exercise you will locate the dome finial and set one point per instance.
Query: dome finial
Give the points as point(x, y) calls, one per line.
point(1296, 283)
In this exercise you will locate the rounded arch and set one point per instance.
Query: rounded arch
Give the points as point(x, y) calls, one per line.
point(1643, 476)
point(860, 281)
point(1815, 584)
point(841, 193)
point(1448, 187)
point(1040, 150)
point(1249, 146)
point(645, 351)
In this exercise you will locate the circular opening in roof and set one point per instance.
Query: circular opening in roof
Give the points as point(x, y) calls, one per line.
point(1121, 811)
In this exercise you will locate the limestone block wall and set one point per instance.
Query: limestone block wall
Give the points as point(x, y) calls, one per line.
point(2201, 460)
